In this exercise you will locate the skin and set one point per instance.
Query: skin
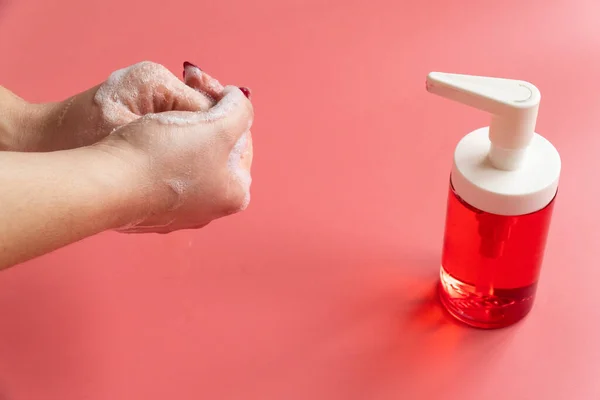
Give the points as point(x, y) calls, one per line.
point(72, 169)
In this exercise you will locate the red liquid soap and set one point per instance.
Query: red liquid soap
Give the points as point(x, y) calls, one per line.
point(503, 186)
point(491, 263)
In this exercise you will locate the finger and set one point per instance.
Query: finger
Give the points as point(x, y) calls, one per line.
point(148, 87)
point(246, 91)
point(199, 80)
point(233, 116)
point(166, 91)
point(228, 121)
point(177, 96)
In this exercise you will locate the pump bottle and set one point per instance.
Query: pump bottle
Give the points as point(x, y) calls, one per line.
point(503, 185)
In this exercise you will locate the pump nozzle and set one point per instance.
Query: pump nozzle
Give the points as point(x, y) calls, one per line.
point(513, 105)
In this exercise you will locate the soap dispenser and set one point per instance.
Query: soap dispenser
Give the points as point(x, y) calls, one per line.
point(503, 185)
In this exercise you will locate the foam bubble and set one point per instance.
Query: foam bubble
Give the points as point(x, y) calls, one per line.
point(130, 93)
point(240, 174)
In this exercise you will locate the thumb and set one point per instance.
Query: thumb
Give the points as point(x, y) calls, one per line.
point(226, 122)
point(231, 117)
point(199, 80)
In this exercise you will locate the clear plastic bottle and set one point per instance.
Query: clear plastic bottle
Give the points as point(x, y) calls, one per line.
point(491, 263)
point(500, 203)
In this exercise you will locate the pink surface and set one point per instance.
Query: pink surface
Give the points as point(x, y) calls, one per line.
point(323, 288)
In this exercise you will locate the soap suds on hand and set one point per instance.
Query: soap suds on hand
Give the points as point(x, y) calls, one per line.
point(143, 88)
point(136, 91)
point(240, 174)
point(202, 82)
point(231, 99)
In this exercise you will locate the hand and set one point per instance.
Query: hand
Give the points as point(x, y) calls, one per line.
point(143, 152)
point(194, 166)
point(127, 95)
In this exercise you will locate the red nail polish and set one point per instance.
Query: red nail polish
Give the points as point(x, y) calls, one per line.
point(189, 64)
point(246, 91)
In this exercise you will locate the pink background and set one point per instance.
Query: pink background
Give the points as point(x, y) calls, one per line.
point(323, 289)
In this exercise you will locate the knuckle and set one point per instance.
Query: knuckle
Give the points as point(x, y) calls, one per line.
point(146, 64)
point(145, 69)
point(231, 128)
point(235, 199)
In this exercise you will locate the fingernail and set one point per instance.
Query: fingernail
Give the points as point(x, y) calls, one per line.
point(246, 91)
point(189, 64)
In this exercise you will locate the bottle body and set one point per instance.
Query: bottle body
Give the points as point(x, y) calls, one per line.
point(491, 263)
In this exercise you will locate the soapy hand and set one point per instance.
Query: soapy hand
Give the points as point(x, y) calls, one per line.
point(127, 95)
point(195, 166)
point(189, 140)
point(142, 152)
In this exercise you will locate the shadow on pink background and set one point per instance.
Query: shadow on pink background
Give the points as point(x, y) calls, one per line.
point(324, 288)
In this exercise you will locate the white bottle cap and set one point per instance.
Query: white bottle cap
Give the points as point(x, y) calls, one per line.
point(506, 168)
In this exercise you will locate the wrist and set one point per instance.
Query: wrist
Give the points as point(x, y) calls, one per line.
point(126, 176)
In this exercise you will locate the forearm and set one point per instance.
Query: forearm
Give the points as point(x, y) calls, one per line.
point(21, 123)
point(49, 200)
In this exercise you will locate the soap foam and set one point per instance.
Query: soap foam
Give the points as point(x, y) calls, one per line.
point(178, 186)
point(130, 93)
point(240, 174)
point(112, 94)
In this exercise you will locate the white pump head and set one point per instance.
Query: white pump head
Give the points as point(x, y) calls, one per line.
point(506, 168)
point(513, 104)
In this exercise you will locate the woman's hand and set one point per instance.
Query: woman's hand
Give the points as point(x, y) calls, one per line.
point(178, 135)
point(142, 152)
point(90, 116)
point(194, 167)
point(190, 141)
